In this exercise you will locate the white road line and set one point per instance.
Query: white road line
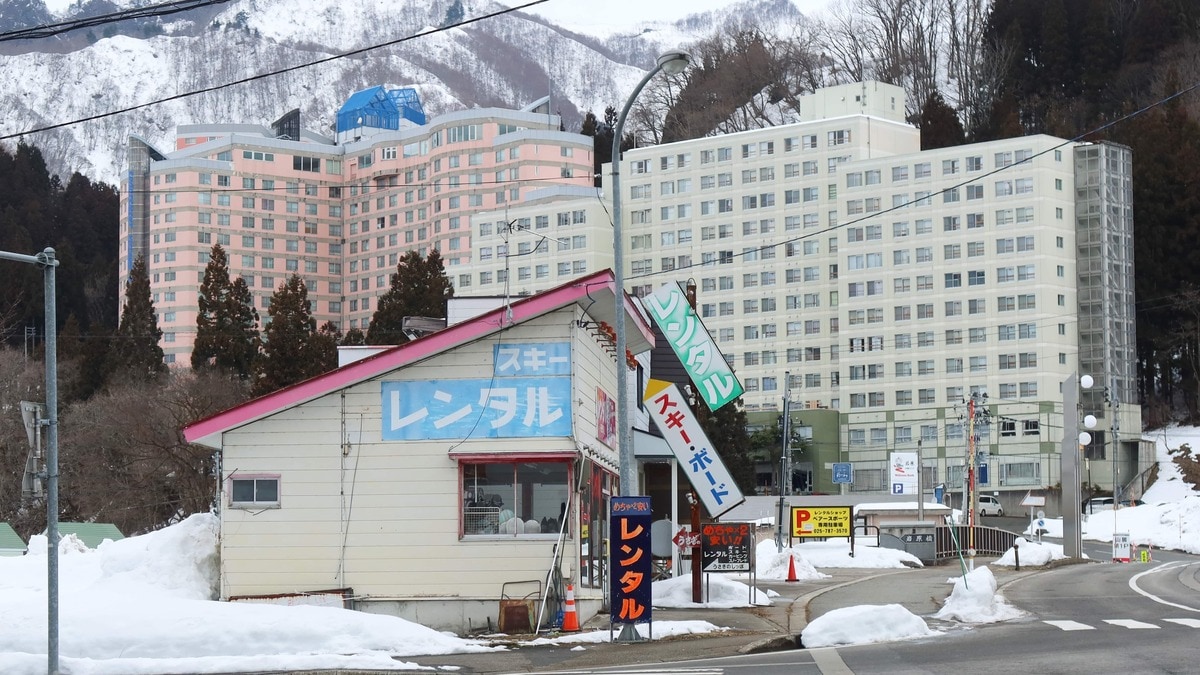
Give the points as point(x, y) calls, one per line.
point(829, 662)
point(1165, 567)
point(1190, 623)
point(1130, 623)
point(1070, 625)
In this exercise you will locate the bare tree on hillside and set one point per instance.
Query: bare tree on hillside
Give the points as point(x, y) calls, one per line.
point(974, 65)
point(893, 41)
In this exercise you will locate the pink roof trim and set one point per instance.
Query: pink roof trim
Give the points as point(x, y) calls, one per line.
point(202, 431)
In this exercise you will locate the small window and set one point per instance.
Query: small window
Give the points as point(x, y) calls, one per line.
point(254, 492)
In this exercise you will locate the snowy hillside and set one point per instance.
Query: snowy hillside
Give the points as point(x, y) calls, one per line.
point(508, 60)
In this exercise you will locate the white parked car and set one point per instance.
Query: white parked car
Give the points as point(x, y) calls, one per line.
point(990, 506)
point(1098, 504)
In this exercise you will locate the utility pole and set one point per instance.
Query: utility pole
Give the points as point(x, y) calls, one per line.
point(1115, 399)
point(972, 490)
point(785, 465)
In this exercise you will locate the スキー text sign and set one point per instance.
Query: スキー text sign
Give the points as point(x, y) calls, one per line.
point(691, 447)
point(821, 521)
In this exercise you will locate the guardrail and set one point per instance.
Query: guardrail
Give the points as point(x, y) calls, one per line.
point(988, 540)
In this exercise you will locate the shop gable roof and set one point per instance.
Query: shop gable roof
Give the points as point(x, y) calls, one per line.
point(594, 294)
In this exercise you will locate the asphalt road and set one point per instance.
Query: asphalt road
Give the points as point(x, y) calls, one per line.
point(1083, 618)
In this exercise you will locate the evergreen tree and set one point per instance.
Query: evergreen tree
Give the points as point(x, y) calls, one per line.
point(939, 124)
point(726, 428)
point(137, 352)
point(288, 351)
point(454, 14)
point(419, 287)
point(325, 347)
point(227, 324)
point(353, 337)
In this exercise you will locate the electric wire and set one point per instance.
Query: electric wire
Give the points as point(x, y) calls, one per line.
point(273, 73)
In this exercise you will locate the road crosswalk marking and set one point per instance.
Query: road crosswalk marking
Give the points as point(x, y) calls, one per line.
point(1130, 623)
point(1070, 625)
point(1133, 624)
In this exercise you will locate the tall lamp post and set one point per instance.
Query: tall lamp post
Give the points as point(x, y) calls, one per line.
point(47, 261)
point(672, 63)
point(1072, 444)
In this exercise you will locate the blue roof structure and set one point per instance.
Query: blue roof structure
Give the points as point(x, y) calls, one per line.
point(380, 108)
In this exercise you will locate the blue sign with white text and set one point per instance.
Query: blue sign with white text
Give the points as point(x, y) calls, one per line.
point(531, 359)
point(512, 407)
point(843, 472)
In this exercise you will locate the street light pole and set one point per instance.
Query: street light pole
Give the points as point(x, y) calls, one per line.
point(1069, 476)
point(672, 63)
point(47, 261)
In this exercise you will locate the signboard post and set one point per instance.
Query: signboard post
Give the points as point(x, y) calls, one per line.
point(726, 546)
point(632, 565)
point(843, 473)
point(1120, 547)
point(668, 307)
point(680, 428)
point(903, 473)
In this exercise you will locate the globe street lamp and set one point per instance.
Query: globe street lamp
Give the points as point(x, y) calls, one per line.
point(671, 63)
point(1069, 465)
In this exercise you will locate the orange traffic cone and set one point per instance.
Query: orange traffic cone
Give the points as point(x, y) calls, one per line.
point(570, 619)
point(792, 569)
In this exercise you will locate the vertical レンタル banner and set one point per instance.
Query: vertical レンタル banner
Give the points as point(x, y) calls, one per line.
point(630, 559)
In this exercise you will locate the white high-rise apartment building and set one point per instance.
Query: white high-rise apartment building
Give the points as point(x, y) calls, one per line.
point(838, 262)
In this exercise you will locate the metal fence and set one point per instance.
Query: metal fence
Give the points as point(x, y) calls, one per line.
point(988, 540)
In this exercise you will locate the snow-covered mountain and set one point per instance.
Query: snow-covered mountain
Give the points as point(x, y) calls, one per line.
point(507, 60)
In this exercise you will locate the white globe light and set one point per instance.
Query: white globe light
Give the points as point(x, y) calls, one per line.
point(1086, 382)
point(1089, 421)
point(1084, 438)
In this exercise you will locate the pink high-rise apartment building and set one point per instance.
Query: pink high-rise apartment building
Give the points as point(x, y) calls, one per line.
point(339, 211)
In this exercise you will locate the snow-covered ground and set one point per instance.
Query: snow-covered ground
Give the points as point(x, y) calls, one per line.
point(141, 605)
point(1032, 553)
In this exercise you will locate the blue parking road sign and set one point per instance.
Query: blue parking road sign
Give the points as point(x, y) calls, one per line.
point(843, 472)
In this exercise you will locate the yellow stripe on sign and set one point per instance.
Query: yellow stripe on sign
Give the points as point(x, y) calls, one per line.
point(653, 387)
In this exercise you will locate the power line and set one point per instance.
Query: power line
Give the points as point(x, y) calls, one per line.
point(895, 207)
point(263, 76)
point(52, 29)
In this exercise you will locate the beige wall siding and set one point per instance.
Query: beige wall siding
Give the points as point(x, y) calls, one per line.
point(382, 517)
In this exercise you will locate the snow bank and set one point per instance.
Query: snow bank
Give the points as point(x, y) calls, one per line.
point(863, 624)
point(974, 600)
point(1032, 553)
point(719, 591)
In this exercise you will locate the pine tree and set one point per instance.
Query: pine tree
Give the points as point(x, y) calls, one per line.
point(419, 287)
point(137, 352)
point(227, 324)
point(939, 124)
point(287, 355)
point(454, 14)
point(726, 428)
point(325, 347)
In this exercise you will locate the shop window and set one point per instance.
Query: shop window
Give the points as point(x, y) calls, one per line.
point(514, 499)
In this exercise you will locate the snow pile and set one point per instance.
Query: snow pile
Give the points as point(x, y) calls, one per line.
point(1032, 553)
point(142, 605)
point(837, 554)
point(974, 600)
point(718, 590)
point(863, 624)
point(662, 629)
point(773, 564)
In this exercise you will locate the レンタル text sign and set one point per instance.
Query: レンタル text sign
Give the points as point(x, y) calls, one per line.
point(821, 521)
point(726, 546)
point(714, 379)
point(630, 560)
